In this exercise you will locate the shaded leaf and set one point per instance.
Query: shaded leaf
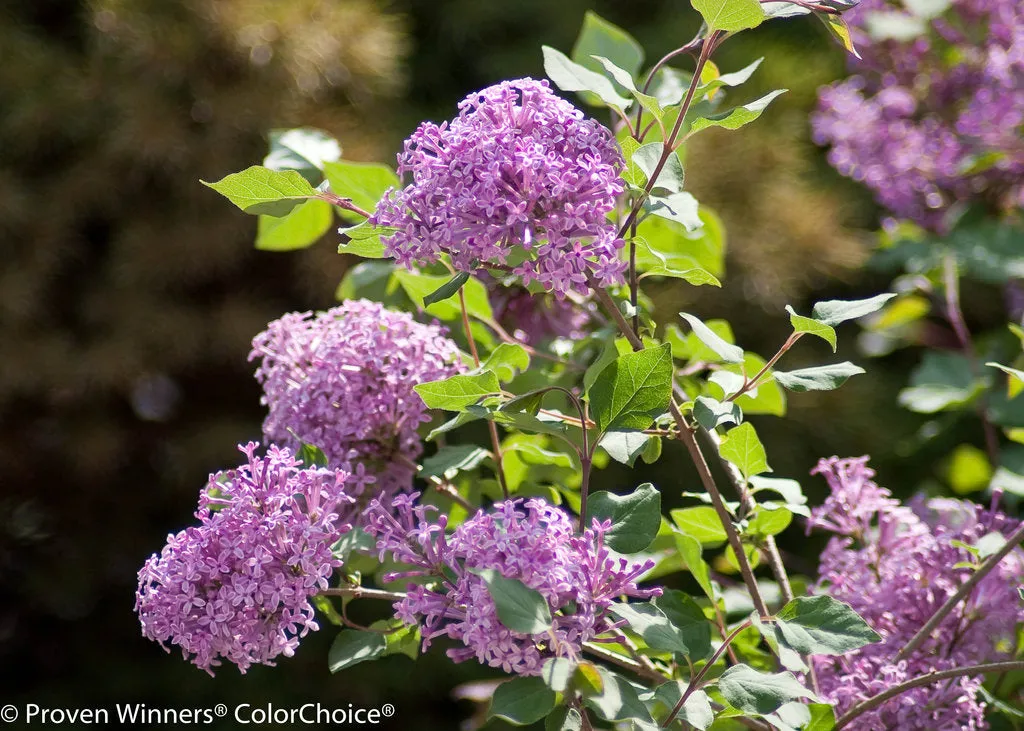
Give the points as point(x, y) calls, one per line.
point(635, 517)
point(352, 647)
point(520, 608)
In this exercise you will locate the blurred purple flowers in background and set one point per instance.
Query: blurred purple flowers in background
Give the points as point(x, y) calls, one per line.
point(896, 565)
point(237, 586)
point(933, 114)
point(518, 167)
point(531, 541)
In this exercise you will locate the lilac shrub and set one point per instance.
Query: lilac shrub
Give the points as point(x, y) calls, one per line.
point(237, 586)
point(518, 169)
point(343, 380)
point(528, 227)
point(931, 118)
point(531, 541)
point(896, 567)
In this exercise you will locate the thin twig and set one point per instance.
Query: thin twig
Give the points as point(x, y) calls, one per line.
point(928, 679)
point(982, 571)
point(341, 202)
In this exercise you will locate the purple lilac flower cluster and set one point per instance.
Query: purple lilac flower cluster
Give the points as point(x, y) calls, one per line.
point(531, 541)
point(896, 567)
point(343, 380)
point(518, 167)
point(237, 586)
point(935, 119)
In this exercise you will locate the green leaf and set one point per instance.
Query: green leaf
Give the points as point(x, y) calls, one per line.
point(617, 700)
point(301, 228)
point(653, 626)
point(689, 347)
point(696, 711)
point(457, 392)
point(598, 37)
point(304, 150)
point(730, 15)
point(522, 701)
point(635, 517)
point(564, 719)
point(625, 446)
point(520, 608)
point(452, 459)
point(421, 286)
point(631, 172)
point(940, 382)
point(625, 79)
point(557, 673)
point(810, 326)
point(670, 245)
point(1013, 373)
point(742, 447)
point(688, 618)
point(506, 360)
point(260, 191)
point(731, 79)
point(571, 76)
point(670, 177)
point(690, 550)
point(833, 312)
point(632, 390)
point(839, 30)
point(682, 208)
point(364, 183)
point(790, 490)
point(821, 625)
point(759, 693)
point(652, 262)
point(352, 647)
point(710, 412)
point(700, 523)
point(364, 240)
point(819, 378)
point(737, 116)
point(400, 639)
point(726, 352)
point(367, 279)
point(769, 522)
point(312, 456)
point(446, 290)
point(989, 544)
point(823, 717)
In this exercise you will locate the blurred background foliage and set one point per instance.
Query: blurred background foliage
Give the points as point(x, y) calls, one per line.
point(129, 292)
